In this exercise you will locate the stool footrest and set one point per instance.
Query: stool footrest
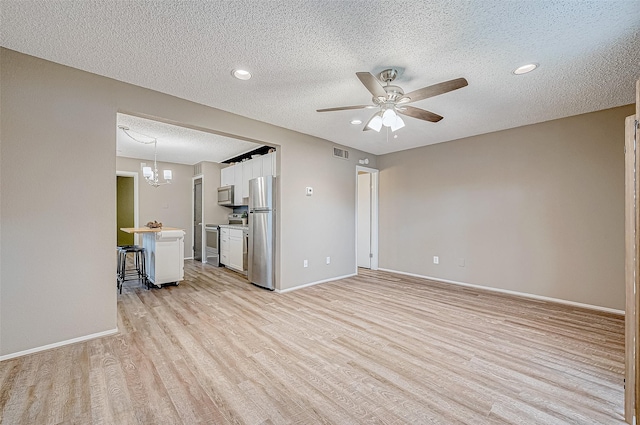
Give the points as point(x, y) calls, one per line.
point(138, 272)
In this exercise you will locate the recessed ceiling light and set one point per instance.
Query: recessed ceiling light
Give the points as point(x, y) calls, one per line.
point(525, 68)
point(395, 136)
point(241, 74)
point(356, 122)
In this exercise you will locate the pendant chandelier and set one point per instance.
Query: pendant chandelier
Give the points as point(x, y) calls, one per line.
point(151, 175)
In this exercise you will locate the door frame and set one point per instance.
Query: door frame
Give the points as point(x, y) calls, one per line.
point(630, 158)
point(136, 211)
point(203, 242)
point(632, 265)
point(375, 178)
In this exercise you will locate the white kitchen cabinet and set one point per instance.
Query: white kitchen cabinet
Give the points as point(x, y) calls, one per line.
point(268, 164)
point(224, 246)
point(236, 249)
point(238, 193)
point(250, 170)
point(239, 175)
point(232, 176)
point(227, 177)
point(164, 256)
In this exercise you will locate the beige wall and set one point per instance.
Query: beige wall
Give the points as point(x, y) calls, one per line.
point(57, 203)
point(536, 209)
point(169, 204)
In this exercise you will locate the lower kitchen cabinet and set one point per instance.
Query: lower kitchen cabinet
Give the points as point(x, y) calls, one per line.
point(224, 246)
point(232, 248)
point(235, 249)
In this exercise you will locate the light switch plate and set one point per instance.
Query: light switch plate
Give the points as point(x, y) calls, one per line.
point(309, 191)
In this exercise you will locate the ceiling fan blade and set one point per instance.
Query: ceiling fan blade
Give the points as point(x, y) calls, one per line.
point(342, 108)
point(421, 114)
point(372, 84)
point(433, 90)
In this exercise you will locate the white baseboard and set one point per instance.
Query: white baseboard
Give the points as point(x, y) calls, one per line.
point(306, 285)
point(506, 291)
point(58, 344)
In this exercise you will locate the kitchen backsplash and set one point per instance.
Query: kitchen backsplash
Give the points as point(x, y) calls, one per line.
point(241, 209)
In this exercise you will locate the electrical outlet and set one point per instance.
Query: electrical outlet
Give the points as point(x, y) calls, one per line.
point(306, 263)
point(436, 259)
point(328, 260)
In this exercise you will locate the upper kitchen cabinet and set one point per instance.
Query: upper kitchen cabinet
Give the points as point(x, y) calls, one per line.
point(227, 177)
point(238, 192)
point(269, 164)
point(238, 175)
point(250, 170)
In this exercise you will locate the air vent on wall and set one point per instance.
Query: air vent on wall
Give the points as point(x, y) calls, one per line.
point(340, 153)
point(197, 169)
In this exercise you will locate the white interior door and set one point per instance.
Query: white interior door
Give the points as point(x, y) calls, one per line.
point(364, 221)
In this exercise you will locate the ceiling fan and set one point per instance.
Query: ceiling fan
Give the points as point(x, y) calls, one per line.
point(392, 100)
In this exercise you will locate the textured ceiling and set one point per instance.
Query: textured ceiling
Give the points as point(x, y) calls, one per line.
point(175, 144)
point(304, 56)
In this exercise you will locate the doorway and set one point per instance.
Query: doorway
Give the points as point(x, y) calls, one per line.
point(366, 218)
point(126, 206)
point(197, 219)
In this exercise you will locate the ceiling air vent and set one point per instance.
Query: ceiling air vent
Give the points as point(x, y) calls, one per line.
point(197, 169)
point(340, 153)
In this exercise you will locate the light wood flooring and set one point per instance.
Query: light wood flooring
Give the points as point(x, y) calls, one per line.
point(376, 348)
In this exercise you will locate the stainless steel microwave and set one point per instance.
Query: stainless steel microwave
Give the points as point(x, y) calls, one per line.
point(225, 195)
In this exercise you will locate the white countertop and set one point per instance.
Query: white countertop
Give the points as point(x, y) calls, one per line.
point(235, 226)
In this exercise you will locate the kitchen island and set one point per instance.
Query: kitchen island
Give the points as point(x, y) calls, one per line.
point(164, 253)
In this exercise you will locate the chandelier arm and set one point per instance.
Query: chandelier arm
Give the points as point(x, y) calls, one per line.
point(154, 180)
point(126, 131)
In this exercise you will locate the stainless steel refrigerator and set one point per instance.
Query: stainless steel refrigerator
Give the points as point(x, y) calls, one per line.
point(261, 232)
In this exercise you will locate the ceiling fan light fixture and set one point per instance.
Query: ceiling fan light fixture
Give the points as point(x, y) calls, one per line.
point(525, 69)
point(398, 123)
point(391, 100)
point(375, 123)
point(389, 117)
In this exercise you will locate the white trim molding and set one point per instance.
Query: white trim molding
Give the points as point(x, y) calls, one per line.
point(59, 344)
point(508, 292)
point(306, 285)
point(375, 179)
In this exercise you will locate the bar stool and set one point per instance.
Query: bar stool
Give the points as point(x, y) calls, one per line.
point(138, 272)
